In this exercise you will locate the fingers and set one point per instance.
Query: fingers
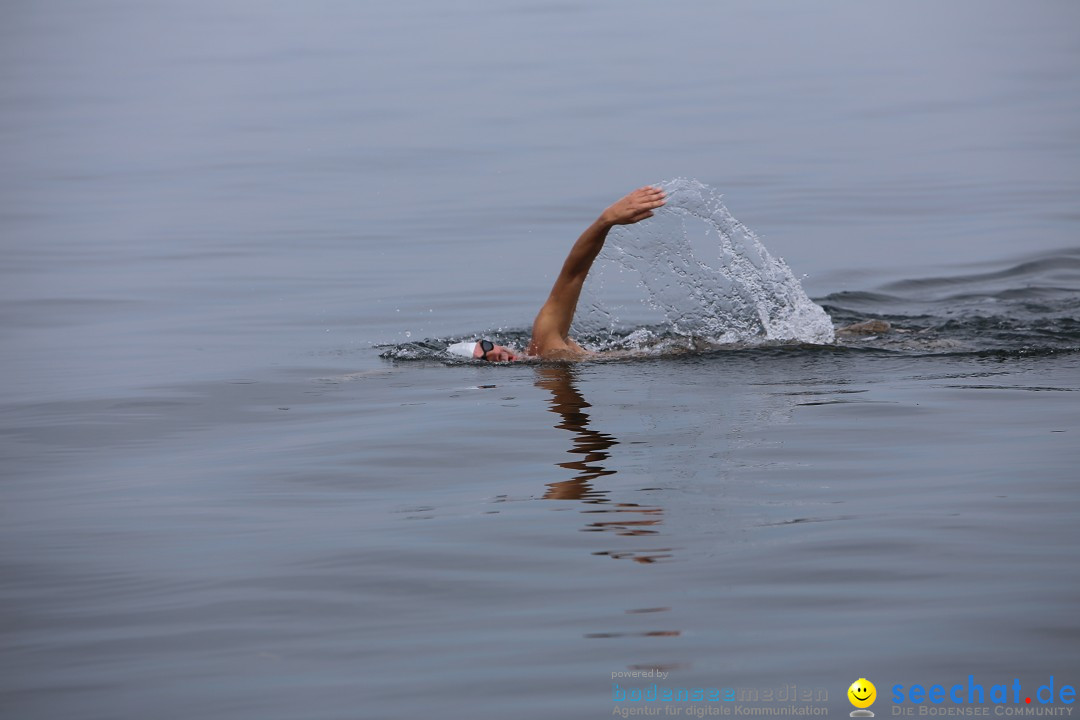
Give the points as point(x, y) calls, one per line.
point(648, 205)
point(650, 197)
point(637, 205)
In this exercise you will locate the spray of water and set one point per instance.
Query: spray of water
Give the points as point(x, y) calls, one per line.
point(706, 274)
point(732, 292)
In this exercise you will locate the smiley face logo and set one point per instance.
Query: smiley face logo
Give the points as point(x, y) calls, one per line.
point(862, 693)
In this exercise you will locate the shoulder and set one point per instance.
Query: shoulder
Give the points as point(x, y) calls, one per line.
point(557, 349)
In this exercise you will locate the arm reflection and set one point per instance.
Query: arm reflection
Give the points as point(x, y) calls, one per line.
point(568, 403)
point(631, 518)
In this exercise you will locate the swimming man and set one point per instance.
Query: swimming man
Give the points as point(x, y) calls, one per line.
point(551, 329)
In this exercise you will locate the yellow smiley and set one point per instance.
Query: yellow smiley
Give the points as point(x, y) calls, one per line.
point(862, 693)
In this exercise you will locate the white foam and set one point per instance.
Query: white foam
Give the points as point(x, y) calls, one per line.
point(735, 292)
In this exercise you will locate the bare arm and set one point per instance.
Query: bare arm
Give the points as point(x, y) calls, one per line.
point(552, 325)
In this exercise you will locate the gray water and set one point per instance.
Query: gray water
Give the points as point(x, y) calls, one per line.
point(227, 493)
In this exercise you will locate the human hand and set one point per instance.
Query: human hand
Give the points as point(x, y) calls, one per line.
point(635, 207)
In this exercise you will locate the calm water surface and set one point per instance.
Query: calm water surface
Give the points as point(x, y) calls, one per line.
point(220, 501)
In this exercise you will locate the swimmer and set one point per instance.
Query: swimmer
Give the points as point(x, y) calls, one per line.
point(551, 330)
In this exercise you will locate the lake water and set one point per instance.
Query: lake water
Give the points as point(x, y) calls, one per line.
point(241, 480)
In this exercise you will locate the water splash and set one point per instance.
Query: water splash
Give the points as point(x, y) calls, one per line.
point(734, 292)
point(1026, 307)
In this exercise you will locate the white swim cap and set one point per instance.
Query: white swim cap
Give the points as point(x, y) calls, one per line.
point(464, 349)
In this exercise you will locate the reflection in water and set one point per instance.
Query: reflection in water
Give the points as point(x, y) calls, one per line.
point(568, 404)
point(628, 519)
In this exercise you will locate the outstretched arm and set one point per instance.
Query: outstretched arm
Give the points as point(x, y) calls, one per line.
point(552, 325)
